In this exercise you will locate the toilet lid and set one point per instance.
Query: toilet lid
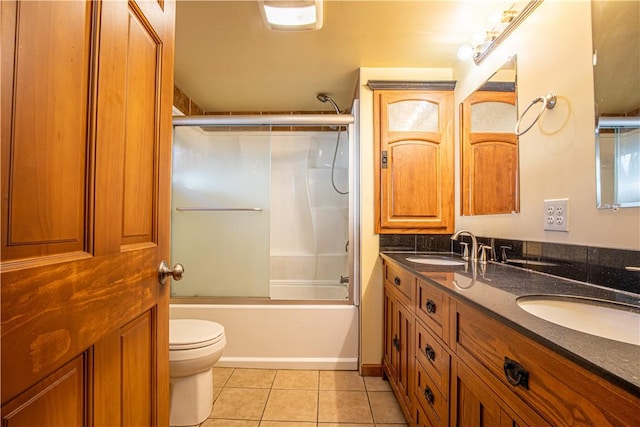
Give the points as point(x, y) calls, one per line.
point(186, 334)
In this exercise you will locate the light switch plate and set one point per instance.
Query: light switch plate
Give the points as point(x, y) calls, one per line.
point(556, 215)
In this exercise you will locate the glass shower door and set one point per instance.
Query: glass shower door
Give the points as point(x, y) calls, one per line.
point(220, 212)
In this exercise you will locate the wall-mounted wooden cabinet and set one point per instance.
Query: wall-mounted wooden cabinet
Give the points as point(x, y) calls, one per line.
point(467, 366)
point(414, 161)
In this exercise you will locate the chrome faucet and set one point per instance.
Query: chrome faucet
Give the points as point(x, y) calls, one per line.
point(474, 243)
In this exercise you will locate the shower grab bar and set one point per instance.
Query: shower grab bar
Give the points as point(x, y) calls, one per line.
point(193, 209)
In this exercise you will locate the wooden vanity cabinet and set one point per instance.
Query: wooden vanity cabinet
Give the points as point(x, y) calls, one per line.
point(454, 372)
point(560, 392)
point(398, 358)
point(414, 161)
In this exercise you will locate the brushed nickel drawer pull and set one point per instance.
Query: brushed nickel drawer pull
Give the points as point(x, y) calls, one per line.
point(430, 353)
point(516, 374)
point(428, 394)
point(431, 306)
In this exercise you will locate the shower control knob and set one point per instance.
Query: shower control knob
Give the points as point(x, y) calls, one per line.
point(164, 272)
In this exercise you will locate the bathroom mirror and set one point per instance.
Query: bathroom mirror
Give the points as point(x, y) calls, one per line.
point(616, 60)
point(489, 146)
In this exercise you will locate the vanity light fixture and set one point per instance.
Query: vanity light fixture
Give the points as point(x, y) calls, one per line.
point(499, 29)
point(291, 15)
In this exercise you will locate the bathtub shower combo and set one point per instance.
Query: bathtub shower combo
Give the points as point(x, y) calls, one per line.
point(262, 220)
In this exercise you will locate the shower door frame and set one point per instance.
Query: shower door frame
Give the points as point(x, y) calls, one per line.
point(301, 120)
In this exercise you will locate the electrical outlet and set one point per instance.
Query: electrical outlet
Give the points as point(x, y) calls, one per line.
point(556, 215)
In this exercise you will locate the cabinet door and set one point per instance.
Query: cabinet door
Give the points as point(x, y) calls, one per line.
point(414, 155)
point(472, 405)
point(405, 362)
point(390, 337)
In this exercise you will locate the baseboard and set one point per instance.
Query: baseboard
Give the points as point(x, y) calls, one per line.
point(313, 363)
point(370, 370)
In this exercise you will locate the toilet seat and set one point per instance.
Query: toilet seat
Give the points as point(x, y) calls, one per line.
point(187, 334)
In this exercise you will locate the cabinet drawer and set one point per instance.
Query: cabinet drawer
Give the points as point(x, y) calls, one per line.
point(401, 280)
point(561, 391)
point(432, 307)
point(433, 356)
point(430, 398)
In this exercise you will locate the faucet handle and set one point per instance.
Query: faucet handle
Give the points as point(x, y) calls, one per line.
point(465, 250)
point(483, 253)
point(503, 256)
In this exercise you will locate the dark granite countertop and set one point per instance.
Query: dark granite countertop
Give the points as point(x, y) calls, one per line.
point(495, 290)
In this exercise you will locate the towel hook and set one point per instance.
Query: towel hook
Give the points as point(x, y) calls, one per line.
point(548, 102)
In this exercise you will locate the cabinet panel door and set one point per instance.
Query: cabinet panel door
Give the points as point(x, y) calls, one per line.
point(406, 360)
point(473, 406)
point(414, 152)
point(390, 336)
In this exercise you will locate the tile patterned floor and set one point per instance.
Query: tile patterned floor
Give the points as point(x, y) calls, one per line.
point(293, 398)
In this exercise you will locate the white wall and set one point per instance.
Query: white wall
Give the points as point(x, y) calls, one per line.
point(557, 157)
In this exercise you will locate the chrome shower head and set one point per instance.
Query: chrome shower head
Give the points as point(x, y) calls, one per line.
point(323, 97)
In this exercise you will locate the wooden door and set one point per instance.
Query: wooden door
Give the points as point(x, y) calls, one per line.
point(86, 135)
point(489, 155)
point(414, 184)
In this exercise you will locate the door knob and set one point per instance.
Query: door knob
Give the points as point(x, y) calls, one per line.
point(164, 271)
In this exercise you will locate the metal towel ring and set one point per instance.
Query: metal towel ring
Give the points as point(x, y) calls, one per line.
point(548, 102)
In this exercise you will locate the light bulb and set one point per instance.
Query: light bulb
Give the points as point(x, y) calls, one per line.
point(465, 52)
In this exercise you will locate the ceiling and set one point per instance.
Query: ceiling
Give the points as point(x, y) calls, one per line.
point(226, 59)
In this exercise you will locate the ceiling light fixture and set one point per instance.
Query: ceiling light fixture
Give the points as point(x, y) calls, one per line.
point(291, 15)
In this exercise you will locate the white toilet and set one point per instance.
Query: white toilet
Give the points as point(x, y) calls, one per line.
point(194, 347)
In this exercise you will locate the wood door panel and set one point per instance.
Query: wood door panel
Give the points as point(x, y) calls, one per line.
point(50, 321)
point(473, 406)
point(494, 177)
point(407, 196)
point(58, 400)
point(138, 365)
point(389, 332)
point(45, 154)
point(141, 139)
point(406, 356)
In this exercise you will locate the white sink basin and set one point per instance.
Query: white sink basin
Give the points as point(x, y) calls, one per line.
point(608, 320)
point(435, 261)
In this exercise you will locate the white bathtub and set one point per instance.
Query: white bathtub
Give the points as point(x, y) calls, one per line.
point(282, 336)
point(308, 290)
